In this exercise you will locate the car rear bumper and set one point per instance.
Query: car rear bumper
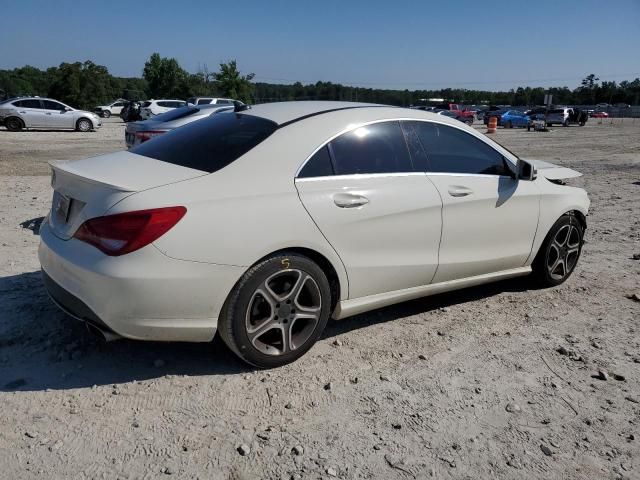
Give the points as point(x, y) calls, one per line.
point(144, 295)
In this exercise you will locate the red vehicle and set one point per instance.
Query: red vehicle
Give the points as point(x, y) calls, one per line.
point(599, 115)
point(462, 114)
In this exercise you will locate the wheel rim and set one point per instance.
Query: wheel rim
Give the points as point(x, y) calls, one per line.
point(563, 252)
point(84, 125)
point(283, 312)
point(13, 124)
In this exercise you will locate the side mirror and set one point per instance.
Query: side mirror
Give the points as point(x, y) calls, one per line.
point(526, 171)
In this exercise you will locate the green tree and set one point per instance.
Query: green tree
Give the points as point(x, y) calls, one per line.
point(232, 84)
point(165, 77)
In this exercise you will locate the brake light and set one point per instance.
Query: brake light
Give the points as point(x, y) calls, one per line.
point(144, 136)
point(123, 233)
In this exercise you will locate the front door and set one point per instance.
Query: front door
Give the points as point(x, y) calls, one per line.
point(56, 115)
point(489, 218)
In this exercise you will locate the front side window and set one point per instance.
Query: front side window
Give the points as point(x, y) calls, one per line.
point(51, 105)
point(209, 144)
point(375, 148)
point(204, 101)
point(164, 104)
point(451, 150)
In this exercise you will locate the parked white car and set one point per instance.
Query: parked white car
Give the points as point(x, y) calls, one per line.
point(155, 107)
point(45, 113)
point(114, 108)
point(209, 101)
point(263, 223)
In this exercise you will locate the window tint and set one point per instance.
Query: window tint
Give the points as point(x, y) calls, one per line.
point(31, 103)
point(118, 104)
point(209, 144)
point(164, 104)
point(175, 114)
point(145, 104)
point(204, 101)
point(224, 102)
point(51, 105)
point(452, 150)
point(318, 166)
point(376, 148)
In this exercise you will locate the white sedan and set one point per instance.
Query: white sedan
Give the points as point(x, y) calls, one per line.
point(262, 223)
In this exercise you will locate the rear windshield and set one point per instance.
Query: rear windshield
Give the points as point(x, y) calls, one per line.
point(209, 144)
point(175, 114)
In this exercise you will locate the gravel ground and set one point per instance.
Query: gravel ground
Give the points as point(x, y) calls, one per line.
point(500, 381)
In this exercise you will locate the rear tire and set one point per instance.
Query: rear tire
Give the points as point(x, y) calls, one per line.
point(508, 124)
point(84, 125)
point(559, 253)
point(276, 311)
point(13, 124)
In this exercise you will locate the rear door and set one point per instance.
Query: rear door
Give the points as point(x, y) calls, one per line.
point(382, 218)
point(31, 112)
point(489, 218)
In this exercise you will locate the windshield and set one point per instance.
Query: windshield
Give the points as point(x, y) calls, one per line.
point(175, 114)
point(209, 144)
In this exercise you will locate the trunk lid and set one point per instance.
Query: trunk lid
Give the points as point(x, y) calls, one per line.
point(87, 188)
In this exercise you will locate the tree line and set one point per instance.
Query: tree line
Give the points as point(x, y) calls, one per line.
point(85, 85)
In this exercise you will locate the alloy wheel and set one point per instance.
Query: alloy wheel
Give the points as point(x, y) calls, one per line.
point(563, 252)
point(283, 312)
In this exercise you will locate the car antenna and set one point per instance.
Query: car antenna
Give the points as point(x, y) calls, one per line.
point(239, 106)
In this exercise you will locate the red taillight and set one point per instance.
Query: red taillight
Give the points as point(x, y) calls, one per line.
point(126, 232)
point(144, 136)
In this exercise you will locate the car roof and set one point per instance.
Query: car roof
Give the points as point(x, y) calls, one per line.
point(287, 112)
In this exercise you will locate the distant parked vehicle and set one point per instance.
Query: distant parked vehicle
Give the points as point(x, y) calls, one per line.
point(494, 112)
point(514, 118)
point(599, 115)
point(462, 114)
point(114, 108)
point(39, 113)
point(151, 108)
point(209, 101)
point(566, 116)
point(139, 132)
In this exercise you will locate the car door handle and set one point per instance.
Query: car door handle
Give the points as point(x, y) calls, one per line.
point(349, 200)
point(459, 191)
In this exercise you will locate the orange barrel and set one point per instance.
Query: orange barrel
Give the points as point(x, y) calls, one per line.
point(492, 125)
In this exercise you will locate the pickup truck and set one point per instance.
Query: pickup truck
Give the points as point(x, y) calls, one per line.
point(462, 114)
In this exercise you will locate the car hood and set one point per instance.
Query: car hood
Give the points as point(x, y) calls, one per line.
point(552, 171)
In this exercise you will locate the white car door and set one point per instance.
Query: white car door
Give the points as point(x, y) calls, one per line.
point(56, 115)
point(382, 218)
point(30, 110)
point(489, 218)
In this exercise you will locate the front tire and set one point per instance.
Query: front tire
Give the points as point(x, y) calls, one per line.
point(106, 114)
point(508, 124)
point(276, 311)
point(559, 254)
point(13, 124)
point(84, 125)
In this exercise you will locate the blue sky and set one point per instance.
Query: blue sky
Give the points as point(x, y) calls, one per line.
point(379, 44)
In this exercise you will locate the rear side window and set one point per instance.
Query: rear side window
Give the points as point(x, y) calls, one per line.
point(165, 104)
point(375, 148)
point(145, 104)
point(452, 150)
point(318, 166)
point(209, 144)
point(32, 103)
point(204, 101)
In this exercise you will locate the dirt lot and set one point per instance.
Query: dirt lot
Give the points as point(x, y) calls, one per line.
point(493, 397)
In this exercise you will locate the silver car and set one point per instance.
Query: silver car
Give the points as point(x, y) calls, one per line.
point(139, 132)
point(36, 112)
